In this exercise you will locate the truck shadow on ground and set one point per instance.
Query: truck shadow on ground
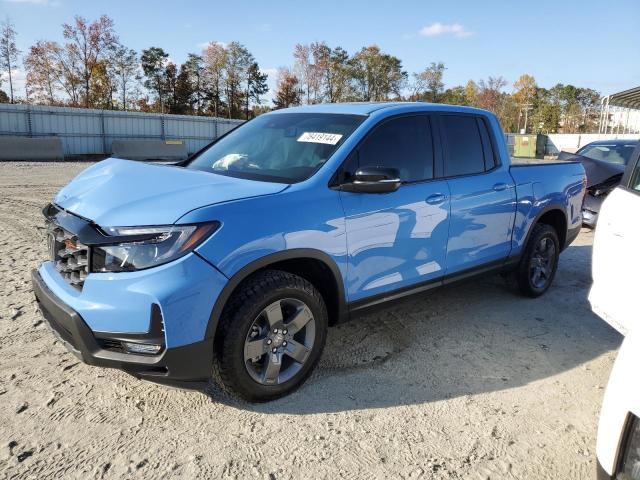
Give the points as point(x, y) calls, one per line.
point(470, 338)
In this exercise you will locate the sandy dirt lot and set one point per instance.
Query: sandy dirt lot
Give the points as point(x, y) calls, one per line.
point(472, 381)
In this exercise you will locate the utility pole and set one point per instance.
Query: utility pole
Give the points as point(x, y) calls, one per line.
point(526, 107)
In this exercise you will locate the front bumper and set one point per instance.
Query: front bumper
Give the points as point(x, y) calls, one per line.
point(590, 210)
point(179, 366)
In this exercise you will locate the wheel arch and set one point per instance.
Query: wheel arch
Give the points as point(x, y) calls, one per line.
point(555, 216)
point(302, 262)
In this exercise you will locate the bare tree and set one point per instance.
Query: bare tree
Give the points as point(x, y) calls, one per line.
point(44, 75)
point(215, 60)
point(124, 67)
point(89, 43)
point(308, 69)
point(428, 84)
point(9, 52)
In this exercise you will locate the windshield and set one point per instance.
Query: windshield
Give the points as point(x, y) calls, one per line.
point(283, 147)
point(619, 154)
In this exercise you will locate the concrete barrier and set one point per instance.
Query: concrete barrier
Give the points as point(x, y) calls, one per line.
point(164, 150)
point(28, 148)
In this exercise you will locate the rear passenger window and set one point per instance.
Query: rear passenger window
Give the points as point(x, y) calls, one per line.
point(404, 143)
point(463, 145)
point(489, 157)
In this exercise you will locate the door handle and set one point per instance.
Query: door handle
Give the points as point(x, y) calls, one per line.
point(498, 187)
point(436, 198)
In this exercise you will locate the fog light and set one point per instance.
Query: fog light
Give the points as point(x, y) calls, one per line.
point(144, 348)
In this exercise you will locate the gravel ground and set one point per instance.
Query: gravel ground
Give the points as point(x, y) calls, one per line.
point(472, 381)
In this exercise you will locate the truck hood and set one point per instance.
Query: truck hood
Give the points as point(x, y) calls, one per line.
point(119, 193)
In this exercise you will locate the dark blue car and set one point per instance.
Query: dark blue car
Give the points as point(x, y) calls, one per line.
point(234, 263)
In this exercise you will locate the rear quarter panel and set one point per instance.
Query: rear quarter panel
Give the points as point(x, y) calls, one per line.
point(540, 188)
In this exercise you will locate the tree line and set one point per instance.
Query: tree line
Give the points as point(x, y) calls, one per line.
point(324, 74)
point(91, 68)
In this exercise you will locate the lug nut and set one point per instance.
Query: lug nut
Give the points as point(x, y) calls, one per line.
point(284, 344)
point(284, 331)
point(275, 330)
point(274, 350)
point(268, 341)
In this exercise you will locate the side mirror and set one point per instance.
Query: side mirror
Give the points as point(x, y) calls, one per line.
point(374, 180)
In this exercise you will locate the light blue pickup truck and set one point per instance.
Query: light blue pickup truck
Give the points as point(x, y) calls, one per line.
point(233, 264)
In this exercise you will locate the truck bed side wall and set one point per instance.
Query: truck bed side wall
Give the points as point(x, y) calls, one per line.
point(541, 188)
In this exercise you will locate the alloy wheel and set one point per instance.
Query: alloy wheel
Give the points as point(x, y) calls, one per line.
point(542, 263)
point(279, 341)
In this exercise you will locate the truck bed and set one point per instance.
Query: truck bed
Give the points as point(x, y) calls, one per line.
point(520, 162)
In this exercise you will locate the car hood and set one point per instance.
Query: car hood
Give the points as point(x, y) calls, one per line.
point(597, 171)
point(119, 192)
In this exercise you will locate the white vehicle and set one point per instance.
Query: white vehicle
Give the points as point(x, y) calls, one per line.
point(616, 248)
point(616, 266)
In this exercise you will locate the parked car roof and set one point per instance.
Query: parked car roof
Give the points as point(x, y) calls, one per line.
point(617, 141)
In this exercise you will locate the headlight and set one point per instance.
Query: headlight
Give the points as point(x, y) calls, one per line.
point(148, 246)
point(630, 464)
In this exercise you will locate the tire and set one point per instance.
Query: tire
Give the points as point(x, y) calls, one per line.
point(533, 259)
point(250, 318)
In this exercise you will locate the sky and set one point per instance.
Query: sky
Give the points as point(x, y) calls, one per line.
point(588, 43)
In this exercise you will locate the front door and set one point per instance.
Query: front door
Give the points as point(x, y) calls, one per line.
point(396, 239)
point(616, 253)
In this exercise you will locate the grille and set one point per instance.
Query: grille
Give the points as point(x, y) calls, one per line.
point(71, 257)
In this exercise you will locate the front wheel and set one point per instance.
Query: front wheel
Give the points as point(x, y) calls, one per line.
point(272, 333)
point(539, 261)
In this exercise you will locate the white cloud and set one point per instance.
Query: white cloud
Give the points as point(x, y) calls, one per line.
point(19, 78)
point(438, 28)
point(269, 71)
point(271, 82)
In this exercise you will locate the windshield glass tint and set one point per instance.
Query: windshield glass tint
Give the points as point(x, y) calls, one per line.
point(619, 154)
point(283, 147)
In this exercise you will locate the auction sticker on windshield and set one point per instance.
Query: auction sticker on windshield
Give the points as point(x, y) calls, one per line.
point(320, 137)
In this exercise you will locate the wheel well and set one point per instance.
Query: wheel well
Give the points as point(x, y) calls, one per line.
point(319, 274)
point(311, 269)
point(557, 220)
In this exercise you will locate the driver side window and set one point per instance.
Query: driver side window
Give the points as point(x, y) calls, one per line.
point(403, 143)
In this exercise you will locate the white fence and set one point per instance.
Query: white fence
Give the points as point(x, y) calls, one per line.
point(91, 132)
point(570, 142)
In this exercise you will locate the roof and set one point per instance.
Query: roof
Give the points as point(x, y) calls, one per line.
point(617, 141)
point(352, 108)
point(627, 99)
point(367, 108)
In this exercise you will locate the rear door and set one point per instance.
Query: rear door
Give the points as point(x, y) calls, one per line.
point(398, 239)
point(616, 253)
point(482, 194)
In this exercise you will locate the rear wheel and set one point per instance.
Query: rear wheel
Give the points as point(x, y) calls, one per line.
point(272, 333)
point(539, 262)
